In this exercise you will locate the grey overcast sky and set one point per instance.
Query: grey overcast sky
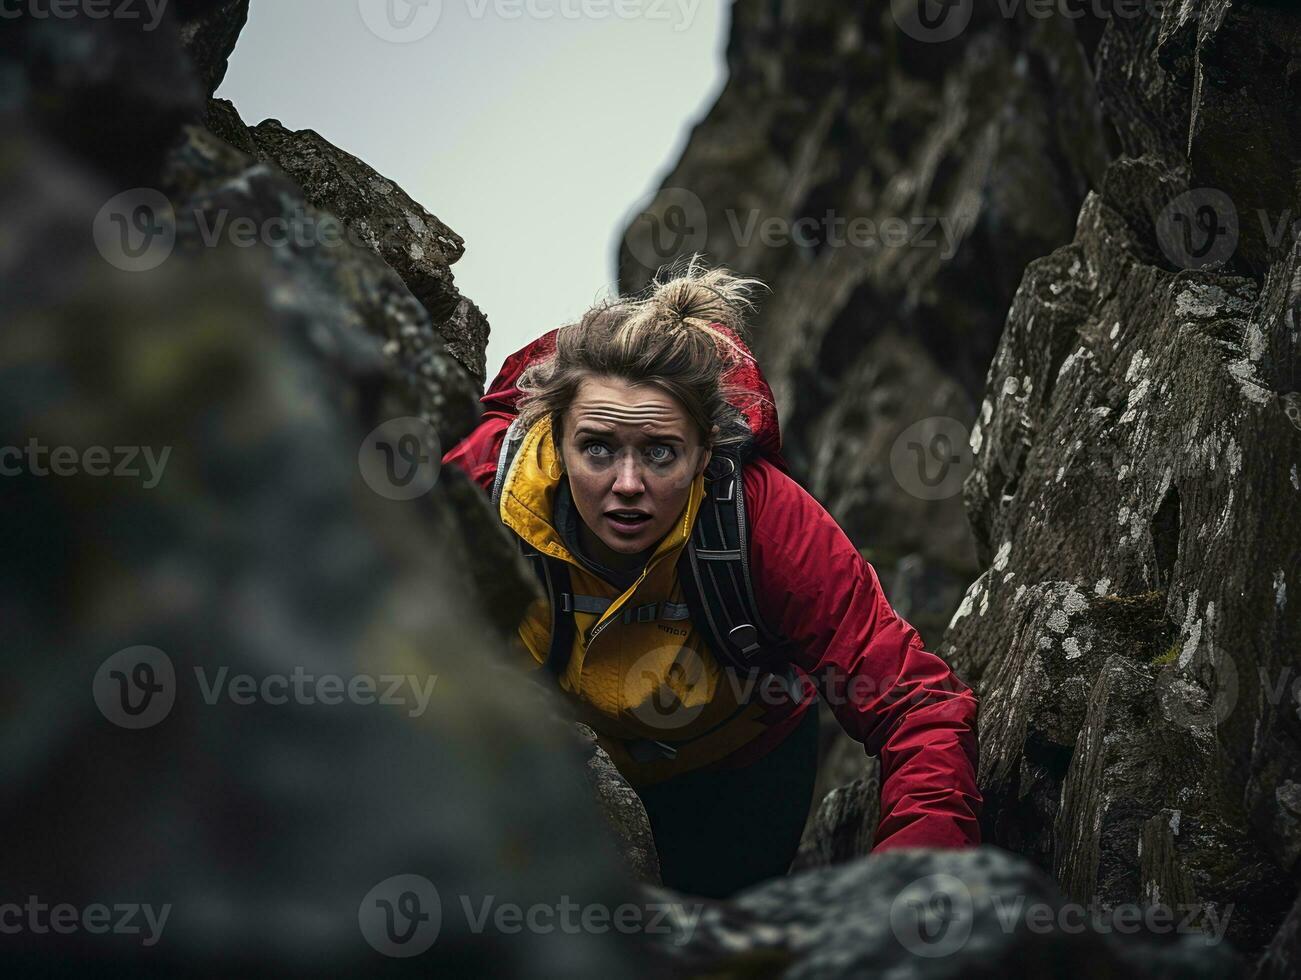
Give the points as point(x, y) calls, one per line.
point(531, 127)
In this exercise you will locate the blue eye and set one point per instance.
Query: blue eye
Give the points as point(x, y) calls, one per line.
point(668, 456)
point(595, 445)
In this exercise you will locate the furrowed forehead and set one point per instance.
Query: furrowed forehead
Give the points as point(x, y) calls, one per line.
point(618, 409)
point(618, 403)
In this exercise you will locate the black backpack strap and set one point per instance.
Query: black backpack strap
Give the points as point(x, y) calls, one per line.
point(510, 444)
point(553, 574)
point(715, 574)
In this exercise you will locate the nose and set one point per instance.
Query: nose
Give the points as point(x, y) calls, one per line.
point(628, 476)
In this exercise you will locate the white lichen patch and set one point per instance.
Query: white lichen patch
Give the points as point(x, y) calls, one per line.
point(969, 600)
point(1280, 590)
point(1073, 602)
point(1208, 302)
point(1136, 396)
point(1101, 586)
point(1073, 648)
point(1139, 363)
point(1136, 525)
point(1244, 373)
point(1233, 456)
point(1000, 559)
point(1296, 478)
point(1254, 342)
point(1174, 821)
point(1192, 628)
point(1115, 330)
point(1069, 363)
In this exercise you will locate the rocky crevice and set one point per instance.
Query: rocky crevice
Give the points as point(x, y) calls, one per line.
point(1133, 506)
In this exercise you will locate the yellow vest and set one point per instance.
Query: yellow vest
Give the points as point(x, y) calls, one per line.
point(653, 680)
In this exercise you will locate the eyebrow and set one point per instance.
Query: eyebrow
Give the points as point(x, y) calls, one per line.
point(657, 437)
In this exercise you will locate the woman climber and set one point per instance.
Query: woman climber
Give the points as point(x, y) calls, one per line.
point(698, 600)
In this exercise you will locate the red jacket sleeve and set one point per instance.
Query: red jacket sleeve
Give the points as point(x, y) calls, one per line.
point(904, 704)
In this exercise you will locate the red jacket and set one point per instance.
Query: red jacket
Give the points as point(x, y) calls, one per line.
point(902, 703)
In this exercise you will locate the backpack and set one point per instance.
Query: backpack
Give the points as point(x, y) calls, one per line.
point(714, 567)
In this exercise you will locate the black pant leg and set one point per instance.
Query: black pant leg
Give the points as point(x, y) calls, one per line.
point(718, 832)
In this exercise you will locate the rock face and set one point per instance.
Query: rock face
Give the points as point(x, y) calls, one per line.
point(209, 30)
point(922, 913)
point(891, 192)
point(266, 832)
point(1122, 301)
point(414, 243)
point(1136, 502)
point(623, 810)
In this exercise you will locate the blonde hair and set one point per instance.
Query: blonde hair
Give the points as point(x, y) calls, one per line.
point(663, 337)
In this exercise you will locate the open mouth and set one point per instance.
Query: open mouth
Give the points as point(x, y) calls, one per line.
point(627, 521)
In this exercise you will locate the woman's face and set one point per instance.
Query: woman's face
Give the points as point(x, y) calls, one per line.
point(631, 454)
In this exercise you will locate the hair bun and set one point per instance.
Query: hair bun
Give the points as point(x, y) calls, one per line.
point(693, 294)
